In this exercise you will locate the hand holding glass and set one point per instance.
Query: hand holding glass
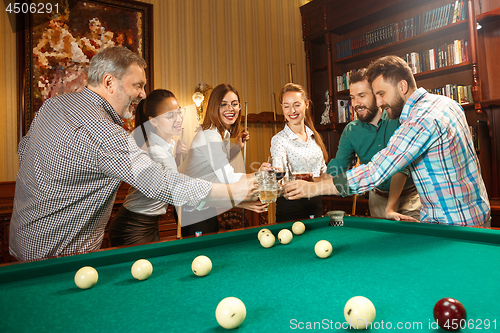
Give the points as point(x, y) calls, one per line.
point(278, 165)
point(268, 186)
point(300, 171)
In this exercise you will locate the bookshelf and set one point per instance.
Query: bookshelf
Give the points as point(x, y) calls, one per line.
point(419, 32)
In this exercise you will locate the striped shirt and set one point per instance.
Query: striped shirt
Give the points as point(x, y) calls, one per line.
point(434, 141)
point(71, 163)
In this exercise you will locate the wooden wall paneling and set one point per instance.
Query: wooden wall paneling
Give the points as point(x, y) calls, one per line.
point(480, 120)
point(7, 191)
point(493, 113)
point(9, 163)
point(489, 49)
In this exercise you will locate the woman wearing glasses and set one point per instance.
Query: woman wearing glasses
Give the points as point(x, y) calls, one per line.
point(302, 146)
point(210, 154)
point(158, 118)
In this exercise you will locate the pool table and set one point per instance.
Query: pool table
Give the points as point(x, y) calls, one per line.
point(403, 268)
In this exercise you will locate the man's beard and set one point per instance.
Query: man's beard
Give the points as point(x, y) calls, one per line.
point(396, 107)
point(129, 111)
point(369, 114)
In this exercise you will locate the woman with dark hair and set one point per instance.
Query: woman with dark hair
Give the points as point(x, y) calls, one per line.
point(301, 145)
point(158, 118)
point(211, 152)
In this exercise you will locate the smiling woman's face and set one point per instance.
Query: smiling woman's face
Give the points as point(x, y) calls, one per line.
point(294, 107)
point(228, 114)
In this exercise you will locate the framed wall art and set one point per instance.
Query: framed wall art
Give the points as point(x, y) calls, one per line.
point(55, 46)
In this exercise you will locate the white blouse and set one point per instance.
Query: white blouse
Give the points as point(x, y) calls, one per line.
point(162, 152)
point(302, 156)
point(209, 156)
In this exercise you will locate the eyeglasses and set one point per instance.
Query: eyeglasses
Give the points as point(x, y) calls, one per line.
point(172, 115)
point(226, 106)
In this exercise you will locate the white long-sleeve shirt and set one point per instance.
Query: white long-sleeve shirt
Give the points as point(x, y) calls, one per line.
point(209, 156)
point(162, 152)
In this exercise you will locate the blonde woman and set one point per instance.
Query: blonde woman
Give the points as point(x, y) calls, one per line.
point(303, 148)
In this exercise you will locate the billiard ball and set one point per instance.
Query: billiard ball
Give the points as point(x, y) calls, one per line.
point(285, 236)
point(359, 312)
point(86, 277)
point(449, 313)
point(230, 312)
point(201, 266)
point(142, 269)
point(298, 228)
point(262, 232)
point(323, 249)
point(267, 240)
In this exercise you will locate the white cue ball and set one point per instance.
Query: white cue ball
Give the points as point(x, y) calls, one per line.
point(142, 269)
point(267, 240)
point(201, 266)
point(262, 232)
point(86, 277)
point(323, 249)
point(298, 228)
point(359, 312)
point(285, 236)
point(230, 312)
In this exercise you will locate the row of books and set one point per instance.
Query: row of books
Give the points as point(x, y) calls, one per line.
point(378, 37)
point(442, 56)
point(343, 81)
point(394, 32)
point(345, 111)
point(442, 16)
point(461, 94)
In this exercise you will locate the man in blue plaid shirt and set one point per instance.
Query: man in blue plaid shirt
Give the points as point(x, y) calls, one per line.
point(76, 154)
point(433, 140)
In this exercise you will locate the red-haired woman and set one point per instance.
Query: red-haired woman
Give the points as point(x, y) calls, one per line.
point(211, 152)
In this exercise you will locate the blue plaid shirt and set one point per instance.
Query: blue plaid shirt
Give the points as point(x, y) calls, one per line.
point(72, 162)
point(434, 141)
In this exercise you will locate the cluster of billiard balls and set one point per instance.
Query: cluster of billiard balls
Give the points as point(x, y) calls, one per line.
point(323, 248)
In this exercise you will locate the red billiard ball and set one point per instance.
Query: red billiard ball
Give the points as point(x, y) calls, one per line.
point(450, 314)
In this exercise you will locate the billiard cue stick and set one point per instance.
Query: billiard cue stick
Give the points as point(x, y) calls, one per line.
point(179, 223)
point(179, 211)
point(245, 159)
point(245, 144)
point(290, 72)
point(182, 139)
point(271, 210)
point(273, 106)
point(355, 197)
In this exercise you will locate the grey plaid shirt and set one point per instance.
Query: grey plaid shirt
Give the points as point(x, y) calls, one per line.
point(72, 162)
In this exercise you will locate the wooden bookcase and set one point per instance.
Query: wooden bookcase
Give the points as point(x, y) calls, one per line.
point(328, 23)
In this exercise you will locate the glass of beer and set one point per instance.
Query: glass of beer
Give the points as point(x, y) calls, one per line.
point(268, 186)
point(300, 171)
point(302, 176)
